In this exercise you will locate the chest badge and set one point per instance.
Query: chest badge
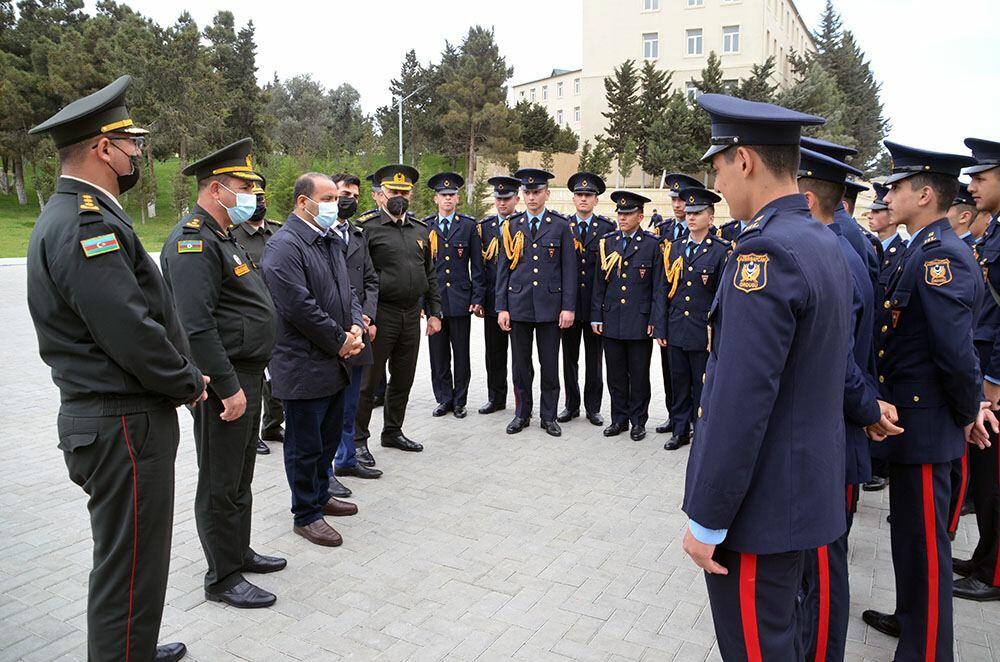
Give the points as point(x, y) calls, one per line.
point(937, 272)
point(704, 279)
point(895, 317)
point(642, 272)
point(460, 251)
point(751, 272)
point(552, 252)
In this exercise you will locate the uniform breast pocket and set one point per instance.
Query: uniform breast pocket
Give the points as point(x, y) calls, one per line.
point(642, 270)
point(898, 301)
point(706, 275)
point(461, 249)
point(552, 250)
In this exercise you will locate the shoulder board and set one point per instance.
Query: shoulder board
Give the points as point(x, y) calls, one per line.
point(602, 217)
point(731, 223)
point(417, 220)
point(556, 214)
point(651, 235)
point(191, 226)
point(87, 204)
point(755, 226)
point(487, 219)
point(367, 216)
point(427, 219)
point(466, 217)
point(278, 223)
point(518, 216)
point(932, 240)
point(613, 233)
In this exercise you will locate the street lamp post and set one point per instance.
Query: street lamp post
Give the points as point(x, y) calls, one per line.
point(399, 103)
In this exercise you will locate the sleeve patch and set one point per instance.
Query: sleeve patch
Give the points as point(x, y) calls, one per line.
point(106, 243)
point(937, 272)
point(190, 246)
point(751, 272)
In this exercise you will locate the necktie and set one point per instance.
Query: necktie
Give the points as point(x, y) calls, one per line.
point(584, 227)
point(625, 239)
point(344, 236)
point(444, 226)
point(534, 227)
point(690, 249)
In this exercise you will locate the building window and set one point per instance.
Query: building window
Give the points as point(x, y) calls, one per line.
point(545, 92)
point(559, 117)
point(576, 114)
point(532, 95)
point(651, 45)
point(694, 42)
point(576, 86)
point(696, 3)
point(559, 88)
point(522, 94)
point(651, 5)
point(731, 39)
point(692, 92)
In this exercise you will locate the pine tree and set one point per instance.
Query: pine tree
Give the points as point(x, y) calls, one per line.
point(757, 86)
point(711, 77)
point(656, 88)
point(596, 160)
point(622, 94)
point(827, 37)
point(817, 93)
point(863, 110)
point(673, 142)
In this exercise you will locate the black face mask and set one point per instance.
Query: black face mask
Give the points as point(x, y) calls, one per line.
point(260, 212)
point(397, 205)
point(129, 180)
point(346, 207)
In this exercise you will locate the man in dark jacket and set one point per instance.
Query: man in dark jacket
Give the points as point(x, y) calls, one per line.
point(319, 327)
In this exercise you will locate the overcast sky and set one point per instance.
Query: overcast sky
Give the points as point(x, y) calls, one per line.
point(936, 61)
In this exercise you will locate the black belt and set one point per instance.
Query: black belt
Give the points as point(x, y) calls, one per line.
point(114, 405)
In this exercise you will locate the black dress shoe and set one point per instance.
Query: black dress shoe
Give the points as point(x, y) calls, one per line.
point(403, 444)
point(638, 433)
point(491, 407)
point(664, 427)
point(960, 567)
point(460, 411)
point(677, 441)
point(358, 471)
point(441, 410)
point(876, 484)
point(170, 652)
point(552, 428)
point(973, 588)
point(364, 456)
point(261, 564)
point(565, 416)
point(243, 596)
point(277, 437)
point(595, 419)
point(338, 489)
point(517, 424)
point(884, 623)
point(615, 429)
point(262, 448)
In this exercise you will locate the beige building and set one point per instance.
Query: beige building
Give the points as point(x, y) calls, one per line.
point(675, 34)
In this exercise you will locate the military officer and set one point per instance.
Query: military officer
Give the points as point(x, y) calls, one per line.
point(981, 572)
point(587, 228)
point(505, 198)
point(378, 197)
point(627, 311)
point(536, 296)
point(928, 369)
point(226, 309)
point(457, 254)
point(761, 488)
point(252, 235)
point(107, 327)
point(401, 254)
point(693, 267)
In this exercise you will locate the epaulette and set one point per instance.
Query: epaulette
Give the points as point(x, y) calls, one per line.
point(486, 219)
point(192, 226)
point(756, 226)
point(932, 240)
point(731, 223)
point(602, 217)
point(465, 216)
point(651, 235)
point(556, 214)
point(367, 216)
point(427, 219)
point(613, 232)
point(272, 222)
point(88, 208)
point(518, 216)
point(413, 218)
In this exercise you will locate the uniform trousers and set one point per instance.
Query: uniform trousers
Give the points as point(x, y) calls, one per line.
point(273, 416)
point(593, 386)
point(522, 335)
point(985, 469)
point(451, 343)
point(313, 429)
point(496, 340)
point(668, 392)
point(959, 490)
point(628, 379)
point(687, 369)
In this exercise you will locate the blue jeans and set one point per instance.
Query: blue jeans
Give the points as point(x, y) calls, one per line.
point(352, 394)
point(312, 430)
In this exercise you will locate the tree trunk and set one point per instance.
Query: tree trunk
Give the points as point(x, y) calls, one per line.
point(4, 181)
point(41, 203)
point(22, 196)
point(470, 167)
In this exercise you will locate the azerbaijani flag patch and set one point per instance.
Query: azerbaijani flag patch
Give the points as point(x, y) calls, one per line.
point(189, 246)
point(106, 243)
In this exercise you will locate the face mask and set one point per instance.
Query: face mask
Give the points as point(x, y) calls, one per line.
point(346, 207)
point(129, 180)
point(397, 205)
point(326, 215)
point(260, 212)
point(243, 210)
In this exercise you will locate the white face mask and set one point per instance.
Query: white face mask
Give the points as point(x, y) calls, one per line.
point(327, 213)
point(246, 205)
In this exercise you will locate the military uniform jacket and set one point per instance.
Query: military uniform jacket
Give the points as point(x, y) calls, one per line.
point(364, 282)
point(731, 230)
point(401, 254)
point(855, 236)
point(221, 298)
point(588, 261)
point(629, 287)
point(537, 277)
point(927, 364)
point(691, 287)
point(891, 257)
point(987, 334)
point(769, 461)
point(665, 230)
point(253, 239)
point(105, 320)
point(458, 261)
point(491, 241)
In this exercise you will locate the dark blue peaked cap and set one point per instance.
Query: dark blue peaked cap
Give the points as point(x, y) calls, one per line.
point(628, 202)
point(675, 181)
point(504, 186)
point(852, 188)
point(814, 165)
point(839, 152)
point(533, 179)
point(878, 204)
point(697, 198)
point(909, 161)
point(740, 122)
point(986, 153)
point(446, 182)
point(586, 182)
point(963, 197)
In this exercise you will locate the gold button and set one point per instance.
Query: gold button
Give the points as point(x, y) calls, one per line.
point(625, 263)
point(689, 283)
point(447, 284)
point(881, 379)
point(534, 245)
point(446, 244)
point(881, 353)
point(447, 271)
point(624, 288)
point(583, 273)
point(447, 257)
point(884, 328)
point(916, 398)
point(534, 257)
point(887, 305)
point(687, 298)
point(686, 313)
point(535, 270)
point(690, 268)
point(535, 283)
point(623, 300)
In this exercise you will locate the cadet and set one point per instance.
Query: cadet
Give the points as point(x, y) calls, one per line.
point(928, 369)
point(627, 311)
point(731, 230)
point(762, 486)
point(693, 267)
point(962, 213)
point(655, 219)
point(536, 295)
point(587, 229)
point(226, 309)
point(826, 592)
point(505, 198)
point(458, 258)
point(107, 327)
point(401, 254)
point(252, 236)
point(981, 573)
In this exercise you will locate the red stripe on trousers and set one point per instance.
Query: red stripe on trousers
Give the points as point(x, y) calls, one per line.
point(953, 526)
point(930, 541)
point(823, 630)
point(135, 541)
point(850, 498)
point(748, 606)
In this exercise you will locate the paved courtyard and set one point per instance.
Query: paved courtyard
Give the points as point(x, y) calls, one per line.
point(483, 547)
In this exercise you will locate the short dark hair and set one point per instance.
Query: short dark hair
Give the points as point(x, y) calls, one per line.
point(944, 186)
point(306, 185)
point(782, 160)
point(828, 194)
point(71, 154)
point(347, 178)
point(964, 207)
point(203, 183)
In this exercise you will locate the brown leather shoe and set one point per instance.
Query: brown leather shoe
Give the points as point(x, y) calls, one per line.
point(338, 508)
point(319, 533)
